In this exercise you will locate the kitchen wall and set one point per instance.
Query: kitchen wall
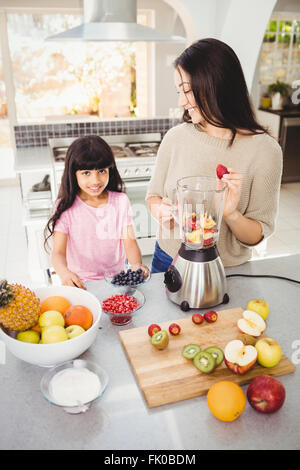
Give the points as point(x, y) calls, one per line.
point(226, 20)
point(223, 19)
point(287, 5)
point(168, 20)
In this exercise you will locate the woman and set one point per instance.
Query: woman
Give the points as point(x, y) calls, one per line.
point(219, 127)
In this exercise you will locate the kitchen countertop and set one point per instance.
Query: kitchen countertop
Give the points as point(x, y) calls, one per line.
point(33, 159)
point(286, 112)
point(121, 418)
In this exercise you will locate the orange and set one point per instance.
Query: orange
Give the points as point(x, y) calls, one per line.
point(36, 328)
point(78, 315)
point(55, 302)
point(226, 400)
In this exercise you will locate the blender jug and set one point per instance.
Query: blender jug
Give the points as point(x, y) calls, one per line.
point(200, 208)
point(196, 278)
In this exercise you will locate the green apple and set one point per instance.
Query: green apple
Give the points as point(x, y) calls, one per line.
point(268, 352)
point(259, 306)
point(50, 318)
point(28, 336)
point(74, 330)
point(53, 334)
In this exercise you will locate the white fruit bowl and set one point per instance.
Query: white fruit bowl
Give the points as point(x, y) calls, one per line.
point(48, 355)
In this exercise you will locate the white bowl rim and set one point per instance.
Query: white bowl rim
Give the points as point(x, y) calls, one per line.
point(61, 365)
point(92, 327)
point(126, 267)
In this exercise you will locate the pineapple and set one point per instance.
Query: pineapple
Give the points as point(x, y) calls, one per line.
point(19, 307)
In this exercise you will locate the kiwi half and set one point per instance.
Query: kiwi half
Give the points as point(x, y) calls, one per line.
point(204, 362)
point(190, 350)
point(160, 339)
point(217, 354)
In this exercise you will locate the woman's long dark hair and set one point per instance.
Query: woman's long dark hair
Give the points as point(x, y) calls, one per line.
point(85, 153)
point(219, 87)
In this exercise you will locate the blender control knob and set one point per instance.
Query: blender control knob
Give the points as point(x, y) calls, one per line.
point(173, 279)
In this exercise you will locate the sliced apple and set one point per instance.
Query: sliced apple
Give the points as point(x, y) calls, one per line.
point(251, 324)
point(239, 357)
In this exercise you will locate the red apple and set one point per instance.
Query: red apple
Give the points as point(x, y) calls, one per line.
point(153, 329)
point(239, 358)
point(174, 329)
point(197, 318)
point(266, 394)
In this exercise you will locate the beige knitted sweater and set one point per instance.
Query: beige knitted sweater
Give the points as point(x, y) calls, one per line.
point(187, 151)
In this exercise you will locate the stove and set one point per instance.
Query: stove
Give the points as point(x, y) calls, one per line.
point(134, 153)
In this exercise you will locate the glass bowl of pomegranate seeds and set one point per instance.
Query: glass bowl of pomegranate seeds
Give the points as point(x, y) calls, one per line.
point(128, 277)
point(122, 307)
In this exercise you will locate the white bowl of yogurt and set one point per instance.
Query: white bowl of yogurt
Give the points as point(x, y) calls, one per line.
point(74, 385)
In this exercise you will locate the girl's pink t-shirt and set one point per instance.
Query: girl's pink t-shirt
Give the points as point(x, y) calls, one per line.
point(95, 242)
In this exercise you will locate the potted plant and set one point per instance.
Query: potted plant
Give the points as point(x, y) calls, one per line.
point(278, 90)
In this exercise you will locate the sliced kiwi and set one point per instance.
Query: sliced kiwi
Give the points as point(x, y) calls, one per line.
point(204, 362)
point(217, 353)
point(160, 339)
point(190, 350)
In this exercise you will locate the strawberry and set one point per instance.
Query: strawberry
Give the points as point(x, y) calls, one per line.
point(208, 242)
point(221, 170)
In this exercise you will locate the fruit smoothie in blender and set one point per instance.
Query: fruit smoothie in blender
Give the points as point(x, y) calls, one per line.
point(200, 207)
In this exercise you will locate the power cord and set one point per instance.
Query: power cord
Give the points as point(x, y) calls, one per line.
point(263, 275)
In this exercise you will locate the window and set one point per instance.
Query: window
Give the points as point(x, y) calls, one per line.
point(5, 140)
point(280, 53)
point(66, 78)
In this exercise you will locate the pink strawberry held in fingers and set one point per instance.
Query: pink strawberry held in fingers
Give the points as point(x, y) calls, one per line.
point(221, 170)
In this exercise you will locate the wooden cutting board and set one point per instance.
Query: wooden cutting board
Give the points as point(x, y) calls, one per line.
point(167, 377)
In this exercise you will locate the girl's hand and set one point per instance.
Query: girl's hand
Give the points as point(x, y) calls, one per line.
point(71, 279)
point(234, 182)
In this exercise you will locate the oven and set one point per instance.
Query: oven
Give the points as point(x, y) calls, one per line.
point(135, 158)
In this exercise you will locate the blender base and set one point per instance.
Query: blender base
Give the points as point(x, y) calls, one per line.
point(196, 279)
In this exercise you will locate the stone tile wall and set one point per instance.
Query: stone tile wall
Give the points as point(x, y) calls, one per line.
point(35, 135)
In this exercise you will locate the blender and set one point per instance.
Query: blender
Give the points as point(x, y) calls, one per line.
point(196, 277)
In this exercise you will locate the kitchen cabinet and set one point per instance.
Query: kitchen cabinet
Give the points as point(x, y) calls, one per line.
point(32, 164)
point(285, 127)
point(121, 418)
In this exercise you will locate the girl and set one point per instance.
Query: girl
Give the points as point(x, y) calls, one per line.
point(92, 221)
point(219, 127)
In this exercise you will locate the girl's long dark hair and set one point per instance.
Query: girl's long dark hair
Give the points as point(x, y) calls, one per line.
point(219, 87)
point(85, 153)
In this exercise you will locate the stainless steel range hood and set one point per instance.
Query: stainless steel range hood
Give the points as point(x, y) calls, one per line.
point(113, 20)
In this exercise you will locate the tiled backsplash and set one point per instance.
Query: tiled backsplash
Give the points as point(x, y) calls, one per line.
point(38, 134)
